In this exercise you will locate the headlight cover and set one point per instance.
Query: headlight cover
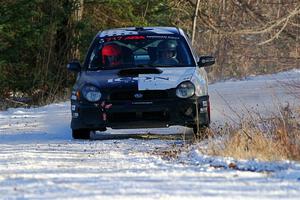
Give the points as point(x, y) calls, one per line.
point(185, 90)
point(91, 93)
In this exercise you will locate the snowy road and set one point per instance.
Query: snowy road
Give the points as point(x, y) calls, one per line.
point(39, 160)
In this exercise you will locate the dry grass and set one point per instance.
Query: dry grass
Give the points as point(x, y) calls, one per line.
point(273, 139)
point(276, 138)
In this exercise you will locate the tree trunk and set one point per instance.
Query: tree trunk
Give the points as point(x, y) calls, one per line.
point(195, 21)
point(76, 18)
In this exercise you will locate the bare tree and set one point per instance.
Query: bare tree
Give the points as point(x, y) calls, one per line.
point(247, 37)
point(195, 21)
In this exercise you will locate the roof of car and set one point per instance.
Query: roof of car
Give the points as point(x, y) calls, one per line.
point(140, 31)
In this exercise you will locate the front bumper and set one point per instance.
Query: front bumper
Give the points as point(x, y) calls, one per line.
point(141, 114)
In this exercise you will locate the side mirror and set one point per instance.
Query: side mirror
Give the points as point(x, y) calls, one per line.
point(206, 61)
point(74, 66)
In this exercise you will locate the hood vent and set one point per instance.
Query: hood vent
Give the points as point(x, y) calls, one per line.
point(137, 71)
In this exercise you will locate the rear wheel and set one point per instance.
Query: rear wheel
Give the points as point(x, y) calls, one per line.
point(81, 134)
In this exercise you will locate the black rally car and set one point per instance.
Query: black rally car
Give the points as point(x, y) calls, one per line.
point(139, 77)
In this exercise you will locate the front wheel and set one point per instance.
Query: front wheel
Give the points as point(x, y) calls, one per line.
point(200, 132)
point(81, 134)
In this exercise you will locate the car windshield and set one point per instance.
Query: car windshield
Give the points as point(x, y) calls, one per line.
point(140, 51)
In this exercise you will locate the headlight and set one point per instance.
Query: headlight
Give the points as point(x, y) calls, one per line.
point(91, 93)
point(185, 90)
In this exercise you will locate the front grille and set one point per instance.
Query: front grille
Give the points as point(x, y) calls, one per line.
point(139, 95)
point(137, 116)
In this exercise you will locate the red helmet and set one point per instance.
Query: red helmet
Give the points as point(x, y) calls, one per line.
point(111, 54)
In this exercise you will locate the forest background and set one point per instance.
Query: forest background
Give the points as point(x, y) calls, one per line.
point(39, 37)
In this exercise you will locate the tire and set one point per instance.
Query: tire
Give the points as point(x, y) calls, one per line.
point(81, 134)
point(102, 129)
point(202, 133)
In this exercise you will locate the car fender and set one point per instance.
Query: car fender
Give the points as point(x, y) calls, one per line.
point(199, 79)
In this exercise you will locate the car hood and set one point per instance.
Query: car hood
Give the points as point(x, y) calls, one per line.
point(167, 78)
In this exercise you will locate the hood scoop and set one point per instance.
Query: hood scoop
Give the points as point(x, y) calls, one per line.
point(137, 71)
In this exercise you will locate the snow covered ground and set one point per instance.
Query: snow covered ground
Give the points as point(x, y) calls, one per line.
point(40, 160)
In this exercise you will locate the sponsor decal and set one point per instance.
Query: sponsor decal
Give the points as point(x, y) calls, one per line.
point(162, 37)
point(170, 78)
point(207, 60)
point(116, 38)
point(134, 37)
point(133, 79)
point(137, 37)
